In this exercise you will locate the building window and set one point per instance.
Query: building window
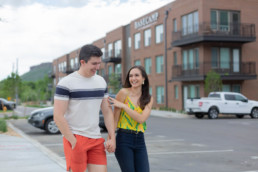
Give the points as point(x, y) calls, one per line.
point(64, 66)
point(176, 91)
point(137, 40)
point(110, 70)
point(72, 63)
point(160, 94)
point(147, 64)
point(129, 42)
point(226, 87)
point(174, 25)
point(220, 58)
point(110, 49)
point(103, 51)
point(221, 20)
point(159, 64)
point(231, 88)
point(137, 62)
point(76, 62)
point(118, 48)
point(103, 72)
point(193, 91)
point(150, 90)
point(190, 23)
point(147, 37)
point(175, 58)
point(118, 68)
point(191, 59)
point(236, 88)
point(159, 33)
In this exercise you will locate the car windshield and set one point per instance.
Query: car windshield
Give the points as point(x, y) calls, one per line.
point(3, 100)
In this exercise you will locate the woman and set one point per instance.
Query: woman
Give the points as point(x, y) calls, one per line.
point(133, 105)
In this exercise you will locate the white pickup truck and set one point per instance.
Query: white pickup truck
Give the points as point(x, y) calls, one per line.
point(222, 103)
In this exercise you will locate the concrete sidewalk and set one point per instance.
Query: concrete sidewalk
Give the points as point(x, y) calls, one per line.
point(22, 154)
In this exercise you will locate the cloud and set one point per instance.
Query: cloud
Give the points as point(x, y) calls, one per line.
point(34, 32)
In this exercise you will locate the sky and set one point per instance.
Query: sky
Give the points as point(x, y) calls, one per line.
point(37, 31)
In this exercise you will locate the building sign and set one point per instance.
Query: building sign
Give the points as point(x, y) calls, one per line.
point(146, 20)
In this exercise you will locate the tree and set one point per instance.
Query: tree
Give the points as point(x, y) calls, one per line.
point(8, 86)
point(114, 82)
point(213, 82)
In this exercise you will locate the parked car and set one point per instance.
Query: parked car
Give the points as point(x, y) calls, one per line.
point(222, 103)
point(10, 105)
point(43, 119)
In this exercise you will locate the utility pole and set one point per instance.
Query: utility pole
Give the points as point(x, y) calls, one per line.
point(16, 83)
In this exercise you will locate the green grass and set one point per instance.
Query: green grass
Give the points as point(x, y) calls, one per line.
point(1, 111)
point(37, 106)
point(3, 125)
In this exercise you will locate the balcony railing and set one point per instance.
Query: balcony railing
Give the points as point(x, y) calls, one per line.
point(113, 56)
point(71, 69)
point(214, 32)
point(235, 71)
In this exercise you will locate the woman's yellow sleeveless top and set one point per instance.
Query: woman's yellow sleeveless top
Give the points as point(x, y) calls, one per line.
point(126, 122)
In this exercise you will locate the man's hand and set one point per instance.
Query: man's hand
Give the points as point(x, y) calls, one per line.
point(73, 142)
point(111, 145)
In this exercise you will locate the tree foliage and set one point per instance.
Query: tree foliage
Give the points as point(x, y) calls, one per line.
point(213, 82)
point(8, 86)
point(114, 83)
point(37, 91)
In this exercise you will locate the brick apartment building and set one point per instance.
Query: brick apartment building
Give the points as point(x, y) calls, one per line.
point(178, 44)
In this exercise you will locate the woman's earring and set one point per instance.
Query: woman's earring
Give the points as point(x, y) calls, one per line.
point(143, 82)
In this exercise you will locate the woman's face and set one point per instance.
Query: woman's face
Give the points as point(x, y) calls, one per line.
point(135, 77)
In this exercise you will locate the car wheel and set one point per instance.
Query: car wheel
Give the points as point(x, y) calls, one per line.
point(239, 116)
point(213, 113)
point(254, 113)
point(51, 127)
point(199, 116)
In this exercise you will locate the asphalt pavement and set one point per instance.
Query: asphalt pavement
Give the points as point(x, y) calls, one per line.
point(20, 153)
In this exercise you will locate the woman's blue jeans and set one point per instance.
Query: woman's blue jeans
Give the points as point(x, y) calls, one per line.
point(131, 152)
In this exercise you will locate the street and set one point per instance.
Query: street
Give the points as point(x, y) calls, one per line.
point(226, 144)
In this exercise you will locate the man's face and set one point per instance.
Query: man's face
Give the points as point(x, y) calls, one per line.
point(90, 68)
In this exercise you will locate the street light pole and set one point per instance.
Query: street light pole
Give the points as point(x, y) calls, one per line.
point(165, 56)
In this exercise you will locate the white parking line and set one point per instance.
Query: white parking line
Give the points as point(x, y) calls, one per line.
point(173, 140)
point(191, 152)
point(186, 152)
point(251, 171)
point(56, 144)
point(254, 157)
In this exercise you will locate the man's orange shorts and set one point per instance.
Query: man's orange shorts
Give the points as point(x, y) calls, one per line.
point(86, 151)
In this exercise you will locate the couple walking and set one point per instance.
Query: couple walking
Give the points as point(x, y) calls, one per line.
point(78, 99)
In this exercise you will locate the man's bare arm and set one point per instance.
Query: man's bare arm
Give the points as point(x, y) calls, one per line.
point(60, 107)
point(109, 122)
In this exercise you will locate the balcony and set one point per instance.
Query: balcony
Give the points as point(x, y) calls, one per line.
point(71, 69)
point(242, 71)
point(206, 32)
point(113, 56)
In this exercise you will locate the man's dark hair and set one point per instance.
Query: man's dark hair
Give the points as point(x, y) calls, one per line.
point(88, 51)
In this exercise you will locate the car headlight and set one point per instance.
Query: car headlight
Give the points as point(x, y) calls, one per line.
point(38, 115)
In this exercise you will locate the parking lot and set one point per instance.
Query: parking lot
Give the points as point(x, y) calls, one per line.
point(223, 145)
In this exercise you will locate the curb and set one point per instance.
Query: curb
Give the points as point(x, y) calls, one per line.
point(42, 148)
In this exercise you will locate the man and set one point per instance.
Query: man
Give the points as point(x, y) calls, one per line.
point(77, 103)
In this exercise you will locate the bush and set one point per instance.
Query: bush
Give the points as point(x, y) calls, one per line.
point(3, 125)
